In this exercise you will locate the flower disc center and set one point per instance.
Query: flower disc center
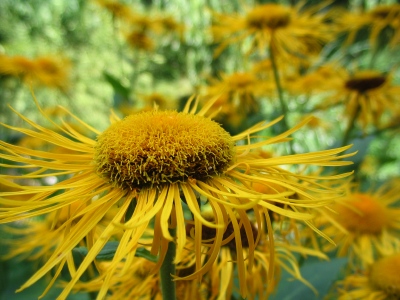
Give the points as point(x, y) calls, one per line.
point(385, 276)
point(239, 81)
point(271, 16)
point(386, 12)
point(365, 81)
point(158, 147)
point(364, 214)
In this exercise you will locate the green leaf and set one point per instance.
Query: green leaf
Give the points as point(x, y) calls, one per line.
point(108, 252)
point(80, 250)
point(121, 92)
point(143, 252)
point(320, 274)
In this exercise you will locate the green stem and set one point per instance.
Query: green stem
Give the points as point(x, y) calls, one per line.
point(351, 124)
point(168, 286)
point(279, 89)
point(120, 49)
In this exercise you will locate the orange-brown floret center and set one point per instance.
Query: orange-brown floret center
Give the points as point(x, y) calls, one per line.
point(385, 276)
point(364, 214)
point(159, 147)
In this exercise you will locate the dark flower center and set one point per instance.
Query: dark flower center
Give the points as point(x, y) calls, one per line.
point(271, 16)
point(364, 84)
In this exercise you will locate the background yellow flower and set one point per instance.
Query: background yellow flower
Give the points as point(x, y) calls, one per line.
point(380, 282)
point(288, 31)
point(364, 225)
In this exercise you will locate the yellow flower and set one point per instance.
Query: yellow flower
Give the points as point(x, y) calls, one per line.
point(38, 144)
point(140, 40)
point(257, 279)
point(48, 71)
point(316, 123)
point(16, 66)
point(238, 97)
point(324, 78)
point(148, 102)
point(8, 186)
point(145, 30)
point(154, 165)
point(157, 99)
point(238, 90)
point(155, 24)
point(367, 95)
point(139, 22)
point(291, 32)
point(263, 69)
point(52, 72)
point(117, 9)
point(169, 25)
point(34, 239)
point(287, 70)
point(31, 142)
point(383, 16)
point(139, 281)
point(377, 20)
point(365, 225)
point(380, 282)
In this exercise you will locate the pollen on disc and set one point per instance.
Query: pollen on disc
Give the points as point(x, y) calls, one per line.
point(158, 147)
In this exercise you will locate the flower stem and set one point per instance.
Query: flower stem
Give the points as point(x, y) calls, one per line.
point(279, 89)
point(350, 126)
point(168, 286)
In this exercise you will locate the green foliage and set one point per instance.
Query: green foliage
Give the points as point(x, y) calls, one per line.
point(107, 253)
point(320, 274)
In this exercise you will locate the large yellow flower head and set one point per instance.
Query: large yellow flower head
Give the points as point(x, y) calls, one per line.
point(380, 282)
point(144, 150)
point(288, 31)
point(159, 167)
point(365, 224)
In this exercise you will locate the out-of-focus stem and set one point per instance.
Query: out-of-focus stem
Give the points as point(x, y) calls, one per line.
point(351, 124)
point(279, 89)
